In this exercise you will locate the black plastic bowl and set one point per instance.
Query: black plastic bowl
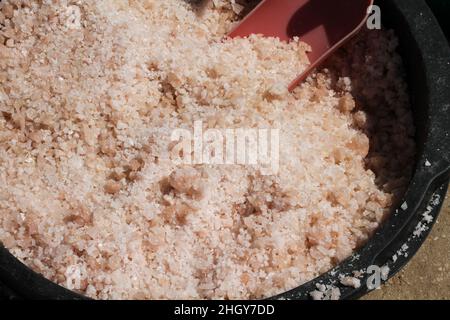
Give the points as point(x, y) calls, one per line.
point(427, 60)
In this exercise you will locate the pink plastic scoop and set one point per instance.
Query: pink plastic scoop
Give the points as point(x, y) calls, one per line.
point(323, 24)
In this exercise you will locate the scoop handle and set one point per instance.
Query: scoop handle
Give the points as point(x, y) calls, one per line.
point(323, 24)
point(339, 24)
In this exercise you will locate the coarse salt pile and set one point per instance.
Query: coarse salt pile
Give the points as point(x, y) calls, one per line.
point(90, 93)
